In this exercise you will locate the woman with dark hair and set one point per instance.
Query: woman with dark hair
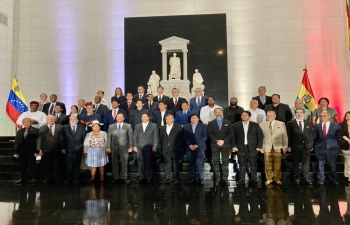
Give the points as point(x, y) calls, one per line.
point(344, 143)
point(118, 95)
point(73, 112)
point(324, 102)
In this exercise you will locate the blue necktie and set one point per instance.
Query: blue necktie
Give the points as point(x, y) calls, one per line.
point(185, 114)
point(198, 101)
point(119, 129)
point(96, 108)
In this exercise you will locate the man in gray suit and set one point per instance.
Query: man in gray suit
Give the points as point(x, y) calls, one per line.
point(146, 139)
point(119, 144)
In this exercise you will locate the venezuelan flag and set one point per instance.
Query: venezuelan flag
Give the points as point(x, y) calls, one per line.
point(306, 94)
point(348, 20)
point(16, 104)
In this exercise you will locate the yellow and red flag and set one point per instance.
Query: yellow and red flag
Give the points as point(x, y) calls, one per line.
point(306, 94)
point(16, 104)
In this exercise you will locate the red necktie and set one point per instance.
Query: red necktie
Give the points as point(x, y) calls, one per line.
point(114, 114)
point(175, 102)
point(324, 130)
point(129, 105)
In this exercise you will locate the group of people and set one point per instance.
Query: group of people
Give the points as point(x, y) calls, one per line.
point(147, 125)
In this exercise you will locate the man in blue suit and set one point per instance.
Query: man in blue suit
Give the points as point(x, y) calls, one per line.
point(197, 102)
point(327, 136)
point(195, 135)
point(111, 115)
point(183, 117)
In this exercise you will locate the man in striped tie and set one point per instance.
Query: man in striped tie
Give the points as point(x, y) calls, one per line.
point(327, 136)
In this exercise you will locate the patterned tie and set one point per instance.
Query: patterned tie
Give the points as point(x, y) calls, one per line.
point(129, 105)
point(300, 126)
point(119, 129)
point(50, 128)
point(219, 124)
point(324, 130)
point(114, 113)
point(198, 101)
point(270, 127)
point(175, 103)
point(25, 133)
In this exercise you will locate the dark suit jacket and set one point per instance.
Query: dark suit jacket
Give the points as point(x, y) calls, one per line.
point(268, 100)
point(108, 118)
point(157, 117)
point(254, 136)
point(180, 119)
point(46, 141)
point(26, 145)
point(344, 145)
point(154, 107)
point(165, 98)
point(124, 106)
point(135, 117)
point(176, 108)
point(70, 141)
point(296, 138)
point(146, 140)
point(62, 119)
point(215, 134)
point(137, 97)
point(331, 141)
point(83, 111)
point(173, 141)
point(47, 107)
point(121, 99)
point(197, 138)
point(284, 114)
point(102, 109)
point(197, 108)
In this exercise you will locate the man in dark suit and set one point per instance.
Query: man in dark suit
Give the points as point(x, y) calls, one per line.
point(327, 136)
point(195, 136)
point(174, 103)
point(220, 132)
point(48, 108)
point(72, 144)
point(49, 148)
point(59, 116)
point(198, 101)
point(129, 105)
point(300, 143)
point(25, 149)
point(171, 138)
point(159, 115)
point(141, 94)
point(99, 107)
point(146, 140)
point(81, 107)
point(160, 96)
point(282, 111)
point(111, 115)
point(150, 105)
point(119, 144)
point(262, 99)
point(183, 117)
point(247, 141)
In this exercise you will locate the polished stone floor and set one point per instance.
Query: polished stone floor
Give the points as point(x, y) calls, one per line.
point(167, 204)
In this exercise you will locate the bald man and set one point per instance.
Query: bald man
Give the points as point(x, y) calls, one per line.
point(298, 104)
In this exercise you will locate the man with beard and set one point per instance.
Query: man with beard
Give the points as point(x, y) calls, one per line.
point(233, 112)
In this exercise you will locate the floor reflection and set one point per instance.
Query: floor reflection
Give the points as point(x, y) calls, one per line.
point(158, 204)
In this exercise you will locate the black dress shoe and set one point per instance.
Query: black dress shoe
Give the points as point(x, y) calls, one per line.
point(307, 182)
point(166, 181)
point(21, 182)
point(125, 181)
point(149, 180)
point(334, 182)
point(255, 183)
point(225, 183)
point(192, 181)
point(321, 182)
point(200, 183)
point(241, 182)
point(176, 181)
point(297, 181)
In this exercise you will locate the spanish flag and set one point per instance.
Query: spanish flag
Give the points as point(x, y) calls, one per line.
point(16, 104)
point(348, 20)
point(306, 94)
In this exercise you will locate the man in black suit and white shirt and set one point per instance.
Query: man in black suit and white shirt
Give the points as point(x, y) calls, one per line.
point(129, 104)
point(220, 132)
point(171, 138)
point(150, 105)
point(141, 94)
point(72, 145)
point(262, 99)
point(160, 96)
point(48, 108)
point(59, 116)
point(174, 103)
point(247, 141)
point(300, 141)
point(49, 148)
point(159, 115)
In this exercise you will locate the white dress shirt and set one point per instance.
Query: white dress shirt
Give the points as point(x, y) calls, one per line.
point(207, 113)
point(258, 116)
point(168, 128)
point(144, 125)
point(245, 128)
point(162, 116)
